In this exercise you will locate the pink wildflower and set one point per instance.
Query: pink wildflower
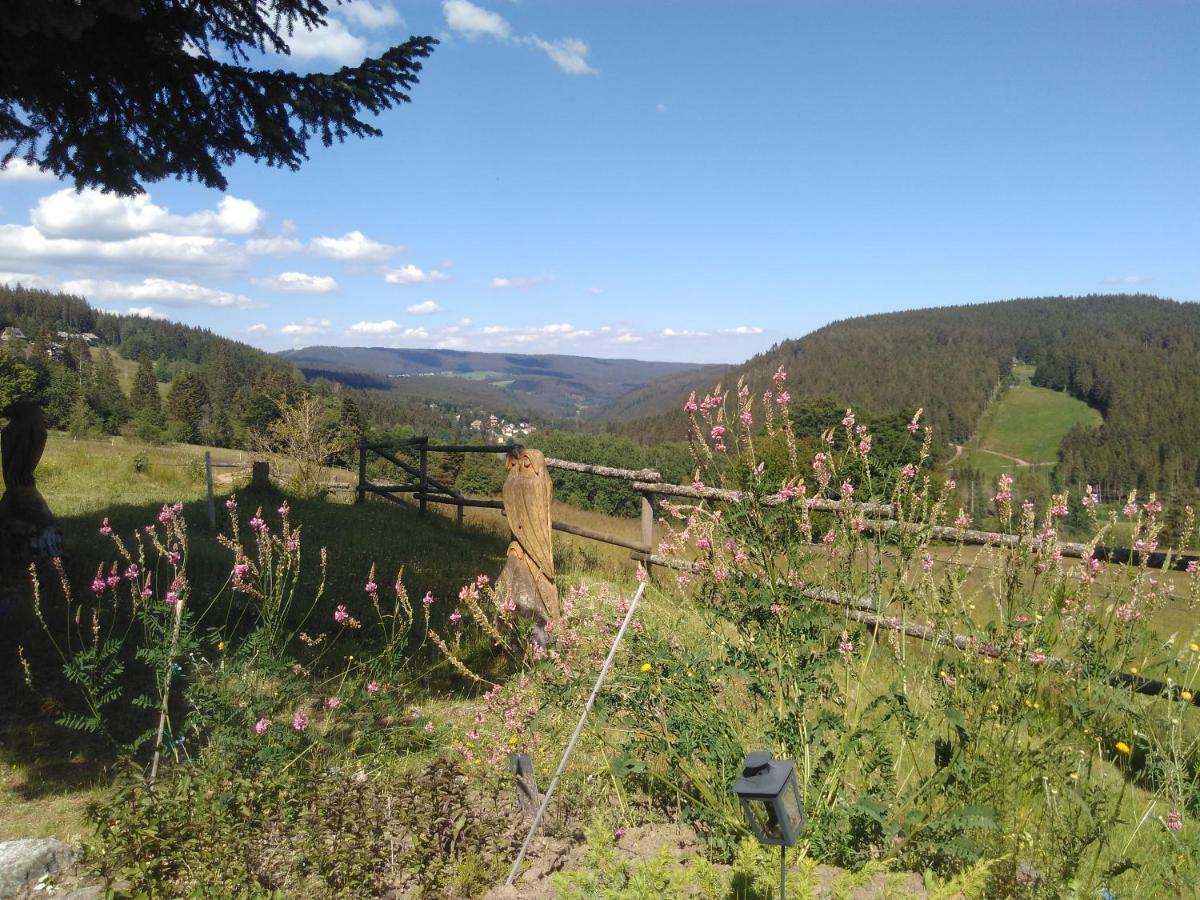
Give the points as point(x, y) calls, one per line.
point(164, 514)
point(285, 509)
point(908, 472)
point(1192, 567)
point(371, 587)
point(131, 572)
point(429, 727)
point(299, 720)
point(427, 600)
point(455, 617)
point(105, 529)
point(780, 376)
point(372, 687)
point(231, 503)
point(1037, 658)
point(949, 680)
point(171, 599)
point(690, 406)
point(783, 399)
point(1174, 821)
point(848, 419)
point(98, 585)
point(262, 726)
point(332, 702)
point(698, 485)
point(963, 520)
point(777, 609)
point(846, 646)
point(340, 614)
point(913, 426)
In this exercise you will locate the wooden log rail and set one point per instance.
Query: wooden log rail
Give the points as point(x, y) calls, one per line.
point(649, 483)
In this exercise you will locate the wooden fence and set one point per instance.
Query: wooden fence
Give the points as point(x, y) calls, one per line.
point(877, 520)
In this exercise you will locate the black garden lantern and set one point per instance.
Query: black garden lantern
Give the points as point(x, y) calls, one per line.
point(771, 799)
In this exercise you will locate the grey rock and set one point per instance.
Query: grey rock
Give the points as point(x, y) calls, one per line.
point(23, 862)
point(90, 892)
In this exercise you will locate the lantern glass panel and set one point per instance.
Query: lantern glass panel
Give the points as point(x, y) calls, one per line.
point(763, 819)
point(791, 810)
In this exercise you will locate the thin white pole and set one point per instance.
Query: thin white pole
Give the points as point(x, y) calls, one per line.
point(562, 763)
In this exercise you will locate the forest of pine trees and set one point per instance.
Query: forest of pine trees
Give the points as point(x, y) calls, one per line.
point(1135, 358)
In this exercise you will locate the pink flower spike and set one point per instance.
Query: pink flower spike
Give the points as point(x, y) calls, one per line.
point(427, 600)
point(1174, 821)
point(332, 702)
point(455, 617)
point(340, 614)
point(98, 585)
point(780, 376)
point(105, 529)
point(262, 726)
point(299, 721)
point(371, 587)
point(171, 599)
point(372, 687)
point(231, 504)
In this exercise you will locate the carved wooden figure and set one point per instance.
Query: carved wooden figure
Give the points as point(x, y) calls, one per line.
point(27, 526)
point(528, 575)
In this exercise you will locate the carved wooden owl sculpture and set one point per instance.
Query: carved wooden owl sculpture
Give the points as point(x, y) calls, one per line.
point(529, 573)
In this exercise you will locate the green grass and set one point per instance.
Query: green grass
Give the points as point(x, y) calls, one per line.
point(1029, 422)
point(49, 773)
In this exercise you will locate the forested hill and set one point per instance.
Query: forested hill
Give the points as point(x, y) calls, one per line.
point(1135, 358)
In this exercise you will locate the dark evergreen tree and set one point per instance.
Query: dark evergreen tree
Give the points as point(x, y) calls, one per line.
point(117, 93)
point(187, 404)
point(143, 394)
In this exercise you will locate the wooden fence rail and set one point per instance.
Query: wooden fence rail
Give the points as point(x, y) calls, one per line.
point(649, 484)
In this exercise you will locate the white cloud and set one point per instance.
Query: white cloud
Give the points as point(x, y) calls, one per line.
point(671, 332)
point(19, 170)
point(90, 214)
point(595, 291)
point(451, 343)
point(520, 284)
point(744, 329)
point(307, 327)
point(1129, 279)
point(299, 283)
point(410, 274)
point(354, 246)
point(628, 338)
point(146, 312)
point(258, 328)
point(334, 41)
point(495, 329)
point(277, 245)
point(473, 21)
point(569, 54)
point(159, 290)
point(372, 15)
point(25, 244)
point(426, 308)
point(387, 326)
point(27, 279)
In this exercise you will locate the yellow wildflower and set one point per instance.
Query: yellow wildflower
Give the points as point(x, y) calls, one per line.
point(1186, 695)
point(220, 646)
point(646, 667)
point(1123, 748)
point(1195, 647)
point(1133, 670)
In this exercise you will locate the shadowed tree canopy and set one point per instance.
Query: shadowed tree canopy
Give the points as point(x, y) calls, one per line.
point(115, 94)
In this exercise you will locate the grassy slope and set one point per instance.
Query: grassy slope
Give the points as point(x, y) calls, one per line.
point(1030, 422)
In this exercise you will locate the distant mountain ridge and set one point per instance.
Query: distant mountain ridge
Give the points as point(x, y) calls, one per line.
point(556, 385)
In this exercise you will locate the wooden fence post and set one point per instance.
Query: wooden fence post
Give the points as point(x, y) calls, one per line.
point(362, 470)
point(460, 514)
point(212, 505)
point(647, 530)
point(424, 478)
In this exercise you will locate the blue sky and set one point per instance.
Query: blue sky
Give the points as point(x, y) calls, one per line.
point(669, 180)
